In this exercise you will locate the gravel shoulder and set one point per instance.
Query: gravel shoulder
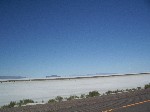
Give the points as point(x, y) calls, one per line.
point(94, 104)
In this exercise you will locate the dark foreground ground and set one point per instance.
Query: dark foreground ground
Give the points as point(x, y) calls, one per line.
point(137, 101)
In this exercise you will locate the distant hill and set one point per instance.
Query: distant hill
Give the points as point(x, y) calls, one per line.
point(11, 77)
point(52, 76)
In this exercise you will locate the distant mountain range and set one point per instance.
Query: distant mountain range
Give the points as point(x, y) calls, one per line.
point(11, 77)
point(101, 74)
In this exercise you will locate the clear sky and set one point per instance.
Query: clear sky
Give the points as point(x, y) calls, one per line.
point(74, 37)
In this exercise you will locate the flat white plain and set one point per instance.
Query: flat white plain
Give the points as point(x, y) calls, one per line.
point(49, 89)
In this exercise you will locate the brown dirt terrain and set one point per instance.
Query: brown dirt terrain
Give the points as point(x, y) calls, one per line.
point(136, 101)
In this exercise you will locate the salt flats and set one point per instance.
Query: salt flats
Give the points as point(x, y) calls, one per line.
point(48, 89)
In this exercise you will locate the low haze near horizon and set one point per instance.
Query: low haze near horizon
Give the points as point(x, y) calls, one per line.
point(74, 37)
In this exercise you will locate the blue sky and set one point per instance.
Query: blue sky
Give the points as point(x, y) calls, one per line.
point(74, 37)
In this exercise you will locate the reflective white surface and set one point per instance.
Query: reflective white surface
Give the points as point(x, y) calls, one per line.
point(45, 90)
